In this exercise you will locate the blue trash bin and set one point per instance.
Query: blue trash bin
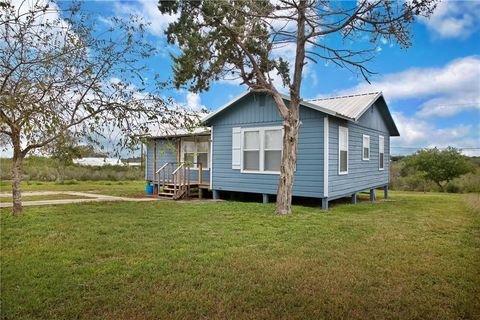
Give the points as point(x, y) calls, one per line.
point(149, 188)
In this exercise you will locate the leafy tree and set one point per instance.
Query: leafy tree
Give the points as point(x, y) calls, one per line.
point(240, 39)
point(61, 75)
point(440, 166)
point(66, 148)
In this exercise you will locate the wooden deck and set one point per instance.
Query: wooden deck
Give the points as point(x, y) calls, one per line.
point(167, 189)
point(174, 180)
point(203, 185)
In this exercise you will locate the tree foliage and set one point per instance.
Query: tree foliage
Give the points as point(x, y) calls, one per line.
point(244, 39)
point(61, 75)
point(440, 166)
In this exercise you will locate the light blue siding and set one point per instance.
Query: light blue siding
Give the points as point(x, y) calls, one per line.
point(248, 113)
point(362, 174)
point(166, 152)
point(373, 118)
point(309, 174)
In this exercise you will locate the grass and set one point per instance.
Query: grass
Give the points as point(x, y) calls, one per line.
point(44, 197)
point(113, 188)
point(414, 257)
point(47, 169)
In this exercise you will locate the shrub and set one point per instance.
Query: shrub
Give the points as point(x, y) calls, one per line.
point(453, 188)
point(407, 178)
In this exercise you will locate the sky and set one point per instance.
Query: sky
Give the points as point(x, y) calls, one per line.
point(432, 88)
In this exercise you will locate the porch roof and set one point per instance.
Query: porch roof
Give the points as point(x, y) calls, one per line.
point(177, 133)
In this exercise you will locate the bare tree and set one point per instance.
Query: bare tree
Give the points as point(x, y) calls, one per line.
point(240, 38)
point(61, 76)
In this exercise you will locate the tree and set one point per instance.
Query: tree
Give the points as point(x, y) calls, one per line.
point(440, 166)
point(239, 39)
point(62, 76)
point(63, 150)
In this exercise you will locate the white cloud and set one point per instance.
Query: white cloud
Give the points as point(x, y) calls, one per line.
point(148, 10)
point(444, 91)
point(454, 19)
point(415, 133)
point(447, 90)
point(194, 101)
point(450, 105)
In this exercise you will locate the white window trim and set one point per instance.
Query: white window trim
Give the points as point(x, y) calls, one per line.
point(340, 128)
point(381, 138)
point(261, 133)
point(194, 167)
point(363, 147)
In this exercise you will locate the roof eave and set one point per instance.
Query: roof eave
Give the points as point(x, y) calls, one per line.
point(319, 108)
point(225, 106)
point(182, 135)
point(395, 132)
point(362, 112)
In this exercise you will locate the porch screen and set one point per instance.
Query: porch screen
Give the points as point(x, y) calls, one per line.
point(195, 151)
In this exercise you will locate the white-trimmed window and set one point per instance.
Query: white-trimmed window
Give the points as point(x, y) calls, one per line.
point(261, 149)
point(251, 150)
point(381, 153)
point(342, 150)
point(366, 148)
point(195, 151)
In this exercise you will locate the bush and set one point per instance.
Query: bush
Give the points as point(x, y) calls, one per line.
point(453, 188)
point(405, 178)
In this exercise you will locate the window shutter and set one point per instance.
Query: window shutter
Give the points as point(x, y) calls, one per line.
point(236, 147)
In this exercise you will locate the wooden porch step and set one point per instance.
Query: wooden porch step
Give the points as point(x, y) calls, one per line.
point(165, 194)
point(171, 185)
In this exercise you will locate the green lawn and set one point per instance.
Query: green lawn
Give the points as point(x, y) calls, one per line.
point(414, 257)
point(113, 188)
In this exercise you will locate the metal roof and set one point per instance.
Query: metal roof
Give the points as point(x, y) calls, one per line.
point(308, 104)
point(352, 106)
point(173, 132)
point(348, 107)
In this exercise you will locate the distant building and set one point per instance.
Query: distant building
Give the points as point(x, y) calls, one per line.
point(133, 164)
point(98, 161)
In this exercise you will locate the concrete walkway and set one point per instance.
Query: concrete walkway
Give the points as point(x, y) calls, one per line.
point(89, 197)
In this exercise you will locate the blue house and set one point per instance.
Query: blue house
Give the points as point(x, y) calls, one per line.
point(343, 149)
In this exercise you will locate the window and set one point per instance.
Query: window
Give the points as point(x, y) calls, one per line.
point(262, 149)
point(195, 151)
point(273, 150)
point(366, 148)
point(342, 150)
point(251, 150)
point(381, 153)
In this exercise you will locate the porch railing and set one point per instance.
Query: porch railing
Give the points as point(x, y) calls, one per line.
point(177, 174)
point(164, 174)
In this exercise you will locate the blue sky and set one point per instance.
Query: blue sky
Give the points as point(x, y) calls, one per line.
point(432, 88)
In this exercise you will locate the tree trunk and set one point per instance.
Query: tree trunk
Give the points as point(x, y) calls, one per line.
point(442, 189)
point(291, 121)
point(16, 179)
point(291, 127)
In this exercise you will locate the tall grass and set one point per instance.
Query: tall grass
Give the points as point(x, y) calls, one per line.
point(46, 169)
